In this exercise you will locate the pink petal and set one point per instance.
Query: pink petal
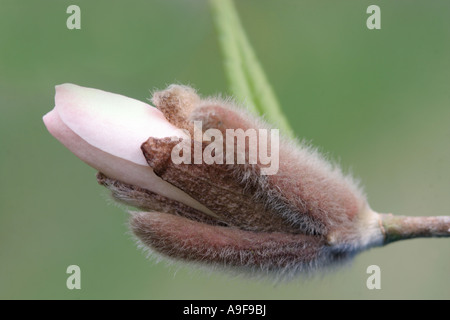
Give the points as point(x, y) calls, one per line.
point(111, 122)
point(114, 166)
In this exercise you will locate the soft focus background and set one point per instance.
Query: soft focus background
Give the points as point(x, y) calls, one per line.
point(377, 101)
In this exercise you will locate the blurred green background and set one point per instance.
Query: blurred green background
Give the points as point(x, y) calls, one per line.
point(378, 101)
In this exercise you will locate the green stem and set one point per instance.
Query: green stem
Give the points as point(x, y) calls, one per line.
point(404, 227)
point(247, 80)
point(233, 64)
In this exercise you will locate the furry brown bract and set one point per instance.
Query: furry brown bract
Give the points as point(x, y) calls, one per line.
point(307, 216)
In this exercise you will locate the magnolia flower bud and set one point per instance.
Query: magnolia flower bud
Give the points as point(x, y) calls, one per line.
point(308, 215)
